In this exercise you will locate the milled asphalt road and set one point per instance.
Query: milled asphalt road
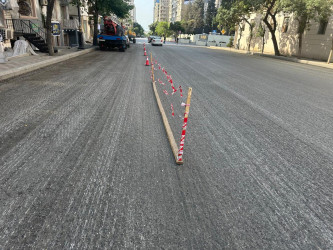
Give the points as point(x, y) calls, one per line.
point(85, 162)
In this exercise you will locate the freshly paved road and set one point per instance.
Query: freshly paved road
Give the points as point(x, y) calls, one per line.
point(85, 162)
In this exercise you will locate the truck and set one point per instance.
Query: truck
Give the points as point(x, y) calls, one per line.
point(112, 36)
point(131, 35)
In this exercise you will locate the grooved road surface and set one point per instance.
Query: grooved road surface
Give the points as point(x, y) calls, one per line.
point(85, 163)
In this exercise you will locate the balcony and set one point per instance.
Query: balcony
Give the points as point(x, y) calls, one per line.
point(70, 24)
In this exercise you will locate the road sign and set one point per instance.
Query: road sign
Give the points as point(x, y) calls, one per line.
point(56, 28)
point(223, 31)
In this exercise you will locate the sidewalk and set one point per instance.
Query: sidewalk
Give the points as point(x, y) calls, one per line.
point(284, 58)
point(26, 63)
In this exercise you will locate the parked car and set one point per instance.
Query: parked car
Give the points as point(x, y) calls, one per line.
point(157, 41)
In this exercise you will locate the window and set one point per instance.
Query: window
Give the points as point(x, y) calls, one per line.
point(2, 19)
point(26, 8)
point(322, 27)
point(285, 25)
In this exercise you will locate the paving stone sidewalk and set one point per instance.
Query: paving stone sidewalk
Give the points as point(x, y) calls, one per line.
point(26, 63)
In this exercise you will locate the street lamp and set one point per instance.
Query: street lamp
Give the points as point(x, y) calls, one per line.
point(80, 27)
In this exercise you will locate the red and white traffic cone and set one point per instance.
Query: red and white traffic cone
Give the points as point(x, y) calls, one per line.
point(145, 54)
point(147, 62)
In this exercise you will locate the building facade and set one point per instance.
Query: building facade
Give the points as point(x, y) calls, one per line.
point(161, 10)
point(317, 41)
point(24, 19)
point(128, 22)
point(176, 9)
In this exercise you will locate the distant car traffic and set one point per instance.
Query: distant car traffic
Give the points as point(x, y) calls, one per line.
point(157, 41)
point(150, 38)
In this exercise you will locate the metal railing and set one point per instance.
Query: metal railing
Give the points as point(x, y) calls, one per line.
point(29, 27)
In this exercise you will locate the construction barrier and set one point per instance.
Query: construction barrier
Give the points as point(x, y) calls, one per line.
point(172, 96)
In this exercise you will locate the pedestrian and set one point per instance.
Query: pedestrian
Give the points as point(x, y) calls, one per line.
point(177, 40)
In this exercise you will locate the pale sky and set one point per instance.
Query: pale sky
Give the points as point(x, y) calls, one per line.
point(144, 12)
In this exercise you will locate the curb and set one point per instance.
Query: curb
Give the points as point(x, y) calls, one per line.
point(283, 58)
point(39, 65)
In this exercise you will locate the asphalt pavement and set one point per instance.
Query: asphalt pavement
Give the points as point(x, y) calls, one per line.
point(85, 162)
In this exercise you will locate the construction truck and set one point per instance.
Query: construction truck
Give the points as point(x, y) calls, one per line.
point(131, 35)
point(112, 36)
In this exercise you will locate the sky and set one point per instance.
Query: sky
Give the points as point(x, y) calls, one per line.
point(144, 12)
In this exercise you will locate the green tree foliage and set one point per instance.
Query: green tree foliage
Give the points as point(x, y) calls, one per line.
point(237, 14)
point(120, 8)
point(231, 42)
point(175, 28)
point(137, 28)
point(152, 27)
point(188, 19)
point(210, 14)
point(193, 18)
point(304, 11)
point(227, 3)
point(198, 15)
point(238, 10)
point(162, 29)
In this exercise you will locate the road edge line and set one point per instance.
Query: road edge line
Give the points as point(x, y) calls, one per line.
point(43, 64)
point(167, 127)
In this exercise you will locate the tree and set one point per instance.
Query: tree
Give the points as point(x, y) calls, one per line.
point(153, 26)
point(271, 8)
point(49, 38)
point(176, 27)
point(238, 13)
point(198, 15)
point(162, 29)
point(261, 33)
point(188, 19)
point(98, 8)
point(137, 28)
point(304, 11)
point(210, 14)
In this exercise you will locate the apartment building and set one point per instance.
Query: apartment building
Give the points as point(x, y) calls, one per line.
point(317, 41)
point(24, 19)
point(161, 10)
point(128, 23)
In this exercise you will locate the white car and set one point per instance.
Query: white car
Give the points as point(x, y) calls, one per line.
point(157, 41)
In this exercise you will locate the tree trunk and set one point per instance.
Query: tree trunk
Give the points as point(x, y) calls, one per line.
point(263, 45)
point(272, 31)
point(95, 28)
point(330, 56)
point(49, 37)
point(276, 47)
point(269, 26)
point(300, 40)
point(250, 39)
point(240, 36)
